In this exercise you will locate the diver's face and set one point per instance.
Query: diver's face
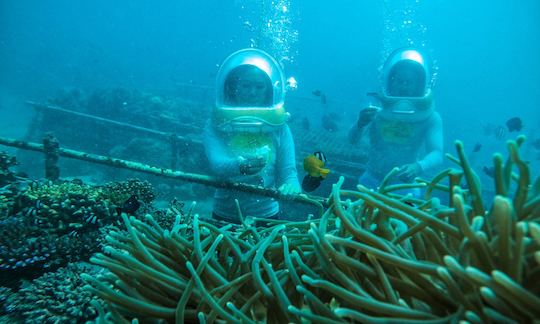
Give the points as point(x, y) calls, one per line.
point(251, 89)
point(404, 83)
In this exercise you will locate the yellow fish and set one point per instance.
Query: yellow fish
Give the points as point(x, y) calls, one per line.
point(314, 165)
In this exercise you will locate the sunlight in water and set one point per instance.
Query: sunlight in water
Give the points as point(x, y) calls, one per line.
point(271, 24)
point(402, 28)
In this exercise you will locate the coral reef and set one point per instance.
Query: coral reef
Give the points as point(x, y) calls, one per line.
point(469, 260)
point(9, 185)
point(45, 225)
point(6, 162)
point(118, 192)
point(56, 297)
point(5, 294)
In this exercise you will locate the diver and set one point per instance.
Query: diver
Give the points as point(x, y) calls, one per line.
point(406, 132)
point(247, 139)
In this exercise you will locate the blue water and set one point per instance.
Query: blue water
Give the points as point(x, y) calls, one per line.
point(485, 52)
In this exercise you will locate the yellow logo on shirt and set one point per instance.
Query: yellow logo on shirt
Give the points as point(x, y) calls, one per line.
point(252, 144)
point(396, 132)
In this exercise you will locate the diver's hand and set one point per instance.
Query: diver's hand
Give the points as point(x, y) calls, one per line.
point(251, 164)
point(289, 189)
point(366, 115)
point(408, 172)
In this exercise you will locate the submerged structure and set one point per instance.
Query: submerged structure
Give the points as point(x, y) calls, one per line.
point(367, 256)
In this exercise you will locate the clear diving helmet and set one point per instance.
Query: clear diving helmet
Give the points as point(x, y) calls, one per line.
point(406, 86)
point(250, 92)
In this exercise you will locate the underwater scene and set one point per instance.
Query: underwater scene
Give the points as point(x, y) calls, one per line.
point(270, 161)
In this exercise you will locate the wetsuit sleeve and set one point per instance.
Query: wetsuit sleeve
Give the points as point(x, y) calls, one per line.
point(286, 159)
point(434, 145)
point(220, 163)
point(356, 133)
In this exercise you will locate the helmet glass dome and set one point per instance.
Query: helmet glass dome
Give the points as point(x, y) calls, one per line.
point(250, 77)
point(406, 90)
point(405, 74)
point(250, 92)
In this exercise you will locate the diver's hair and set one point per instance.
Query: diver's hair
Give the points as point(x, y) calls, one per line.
point(419, 73)
point(236, 74)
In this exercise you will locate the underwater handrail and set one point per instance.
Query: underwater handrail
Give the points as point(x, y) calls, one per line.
point(173, 138)
point(168, 173)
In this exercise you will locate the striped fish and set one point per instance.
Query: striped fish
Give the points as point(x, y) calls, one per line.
point(499, 132)
point(320, 155)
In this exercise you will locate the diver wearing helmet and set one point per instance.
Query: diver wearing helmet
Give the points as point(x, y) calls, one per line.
point(247, 139)
point(406, 132)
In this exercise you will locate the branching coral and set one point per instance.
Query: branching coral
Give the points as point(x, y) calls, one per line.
point(6, 162)
point(53, 298)
point(118, 192)
point(47, 225)
point(465, 261)
point(7, 179)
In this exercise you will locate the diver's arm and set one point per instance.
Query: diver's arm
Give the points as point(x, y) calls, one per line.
point(356, 133)
point(365, 117)
point(286, 159)
point(434, 144)
point(219, 161)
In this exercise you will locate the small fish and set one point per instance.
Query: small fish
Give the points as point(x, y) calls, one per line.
point(316, 172)
point(409, 203)
point(499, 132)
point(314, 165)
point(316, 93)
point(323, 99)
point(514, 124)
point(477, 147)
point(489, 171)
point(131, 205)
point(321, 156)
point(328, 123)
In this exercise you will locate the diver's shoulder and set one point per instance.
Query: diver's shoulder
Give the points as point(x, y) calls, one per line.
point(283, 128)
